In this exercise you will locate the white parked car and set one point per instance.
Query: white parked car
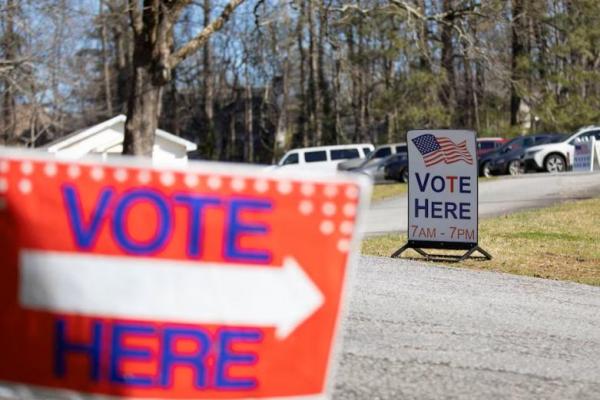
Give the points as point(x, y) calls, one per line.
point(323, 158)
point(557, 157)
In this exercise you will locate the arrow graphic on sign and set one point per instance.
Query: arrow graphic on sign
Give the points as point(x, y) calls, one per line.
point(178, 291)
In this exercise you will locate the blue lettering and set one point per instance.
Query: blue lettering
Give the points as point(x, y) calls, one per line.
point(85, 234)
point(62, 347)
point(422, 185)
point(465, 184)
point(120, 351)
point(236, 228)
point(464, 210)
point(170, 359)
point(195, 204)
point(441, 186)
point(424, 207)
point(436, 209)
point(227, 357)
point(119, 225)
point(214, 361)
point(451, 209)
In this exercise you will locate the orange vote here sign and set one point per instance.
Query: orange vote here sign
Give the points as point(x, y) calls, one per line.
point(130, 281)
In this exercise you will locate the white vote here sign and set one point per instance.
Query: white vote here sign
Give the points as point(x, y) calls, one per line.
point(442, 188)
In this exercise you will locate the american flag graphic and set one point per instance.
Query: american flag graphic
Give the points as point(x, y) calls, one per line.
point(441, 149)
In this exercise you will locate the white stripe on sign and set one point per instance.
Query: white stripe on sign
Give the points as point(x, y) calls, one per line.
point(169, 290)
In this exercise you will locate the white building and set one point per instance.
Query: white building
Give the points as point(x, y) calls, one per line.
point(106, 139)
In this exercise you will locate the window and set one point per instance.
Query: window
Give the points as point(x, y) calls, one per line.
point(344, 154)
point(384, 152)
point(584, 137)
point(487, 145)
point(315, 156)
point(401, 149)
point(367, 150)
point(517, 144)
point(557, 139)
point(528, 142)
point(291, 159)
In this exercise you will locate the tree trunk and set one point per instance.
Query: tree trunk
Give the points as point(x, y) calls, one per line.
point(314, 91)
point(207, 85)
point(355, 75)
point(324, 99)
point(281, 90)
point(105, 61)
point(10, 54)
point(518, 52)
point(124, 63)
point(171, 104)
point(362, 95)
point(281, 95)
point(143, 110)
point(304, 106)
point(248, 121)
point(337, 88)
point(448, 92)
point(468, 84)
point(423, 38)
point(389, 114)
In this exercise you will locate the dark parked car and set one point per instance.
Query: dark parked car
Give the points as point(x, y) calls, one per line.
point(374, 157)
point(508, 158)
point(486, 145)
point(396, 168)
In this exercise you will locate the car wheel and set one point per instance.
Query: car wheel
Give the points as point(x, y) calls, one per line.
point(404, 175)
point(555, 163)
point(515, 167)
point(486, 169)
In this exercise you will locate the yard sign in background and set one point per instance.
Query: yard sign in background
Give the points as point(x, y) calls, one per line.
point(584, 155)
point(442, 188)
point(136, 282)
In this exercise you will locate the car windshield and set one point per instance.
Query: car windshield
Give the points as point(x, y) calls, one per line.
point(555, 139)
point(395, 157)
point(508, 145)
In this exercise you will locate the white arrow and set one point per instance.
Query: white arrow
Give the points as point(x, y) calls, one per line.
point(169, 290)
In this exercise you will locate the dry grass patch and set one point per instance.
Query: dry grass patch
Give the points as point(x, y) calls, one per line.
point(560, 242)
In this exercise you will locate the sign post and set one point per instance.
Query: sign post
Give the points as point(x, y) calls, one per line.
point(442, 193)
point(597, 152)
point(584, 155)
point(126, 280)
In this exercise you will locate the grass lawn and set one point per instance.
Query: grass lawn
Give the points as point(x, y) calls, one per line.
point(560, 242)
point(384, 191)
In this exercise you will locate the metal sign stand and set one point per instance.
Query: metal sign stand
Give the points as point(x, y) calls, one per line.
point(427, 142)
point(444, 257)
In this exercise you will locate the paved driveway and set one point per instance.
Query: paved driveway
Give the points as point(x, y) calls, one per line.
point(415, 331)
point(498, 196)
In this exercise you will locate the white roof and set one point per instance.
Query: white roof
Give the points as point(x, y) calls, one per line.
point(82, 134)
point(330, 147)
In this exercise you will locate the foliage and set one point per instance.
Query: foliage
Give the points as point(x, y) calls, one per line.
point(304, 72)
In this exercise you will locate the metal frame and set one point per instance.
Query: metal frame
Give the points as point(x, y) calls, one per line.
point(445, 257)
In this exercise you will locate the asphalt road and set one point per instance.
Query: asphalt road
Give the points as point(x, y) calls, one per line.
point(415, 331)
point(496, 197)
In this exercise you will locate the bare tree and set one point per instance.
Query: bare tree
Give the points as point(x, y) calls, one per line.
point(154, 60)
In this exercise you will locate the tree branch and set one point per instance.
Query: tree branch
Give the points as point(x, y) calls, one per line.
point(135, 16)
point(200, 39)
